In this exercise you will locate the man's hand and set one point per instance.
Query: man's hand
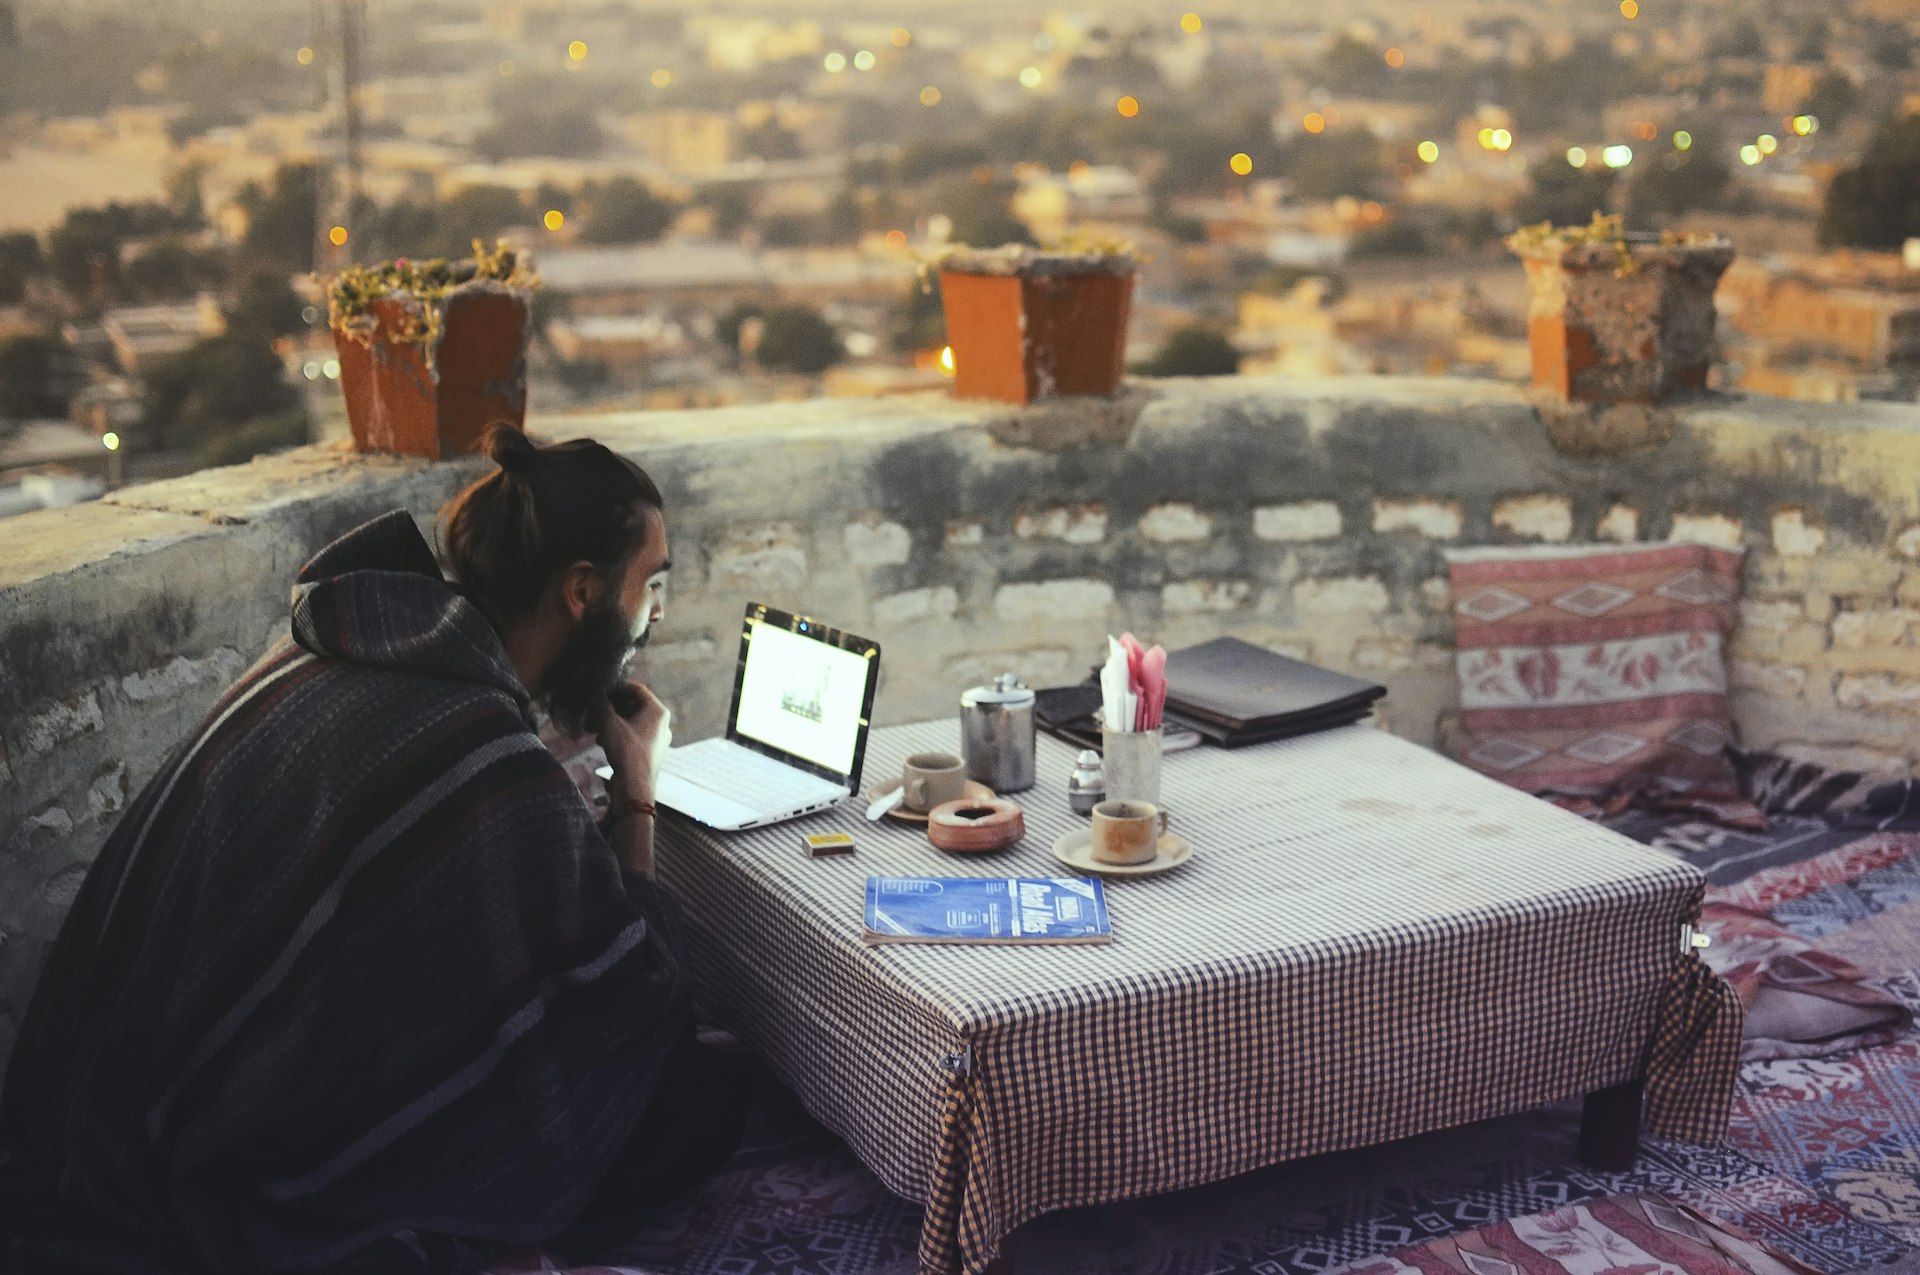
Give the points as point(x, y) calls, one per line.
point(637, 739)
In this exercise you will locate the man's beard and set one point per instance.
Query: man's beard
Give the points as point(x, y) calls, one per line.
point(592, 661)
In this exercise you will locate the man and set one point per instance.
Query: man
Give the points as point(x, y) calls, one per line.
point(357, 984)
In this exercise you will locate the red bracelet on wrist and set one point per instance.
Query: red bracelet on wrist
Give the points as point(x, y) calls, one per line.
point(629, 806)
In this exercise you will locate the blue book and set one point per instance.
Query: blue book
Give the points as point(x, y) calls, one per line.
point(1005, 910)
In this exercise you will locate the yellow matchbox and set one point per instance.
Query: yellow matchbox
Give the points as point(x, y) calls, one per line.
point(821, 844)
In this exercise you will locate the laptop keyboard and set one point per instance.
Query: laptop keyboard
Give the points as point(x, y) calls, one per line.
point(747, 776)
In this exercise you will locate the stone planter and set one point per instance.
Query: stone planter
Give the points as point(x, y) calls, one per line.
point(1048, 329)
point(436, 398)
point(1620, 321)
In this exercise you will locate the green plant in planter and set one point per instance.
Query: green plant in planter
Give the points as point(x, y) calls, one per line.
point(421, 287)
point(1605, 233)
point(1076, 252)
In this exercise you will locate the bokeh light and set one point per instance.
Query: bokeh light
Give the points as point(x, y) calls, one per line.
point(835, 62)
point(662, 78)
point(1030, 77)
point(900, 38)
point(864, 60)
point(1629, 9)
point(1501, 140)
point(337, 236)
point(1682, 140)
point(929, 96)
point(1767, 143)
point(110, 441)
point(554, 219)
point(1617, 156)
point(946, 360)
point(1190, 23)
point(1315, 122)
point(1395, 58)
point(304, 57)
point(1128, 106)
point(1806, 125)
point(1749, 154)
point(1428, 151)
point(1577, 156)
point(577, 50)
point(1241, 163)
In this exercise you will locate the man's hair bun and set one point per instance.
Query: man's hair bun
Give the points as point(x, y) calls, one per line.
point(509, 448)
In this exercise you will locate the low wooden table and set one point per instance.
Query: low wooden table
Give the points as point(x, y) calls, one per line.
point(1369, 942)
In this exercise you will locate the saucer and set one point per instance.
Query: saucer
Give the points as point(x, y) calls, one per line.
point(975, 792)
point(1075, 849)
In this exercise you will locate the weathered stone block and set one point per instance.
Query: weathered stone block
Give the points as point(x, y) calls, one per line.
point(1879, 693)
point(1053, 600)
point(1437, 594)
point(107, 795)
point(1175, 522)
point(61, 722)
point(1304, 520)
point(938, 603)
point(1046, 666)
point(1784, 681)
point(180, 673)
point(1795, 537)
point(878, 543)
point(53, 819)
point(1764, 616)
point(1908, 543)
point(1803, 643)
point(1621, 523)
point(1351, 595)
point(1855, 575)
point(1541, 517)
point(1178, 597)
point(1398, 654)
point(1435, 519)
point(1903, 660)
point(1853, 630)
point(1721, 530)
point(1083, 524)
point(768, 556)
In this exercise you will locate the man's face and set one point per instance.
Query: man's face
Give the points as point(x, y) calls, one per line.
point(594, 659)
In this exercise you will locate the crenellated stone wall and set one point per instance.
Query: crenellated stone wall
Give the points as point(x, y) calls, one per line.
point(968, 539)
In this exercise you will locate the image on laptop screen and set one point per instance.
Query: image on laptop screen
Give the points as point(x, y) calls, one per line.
point(802, 696)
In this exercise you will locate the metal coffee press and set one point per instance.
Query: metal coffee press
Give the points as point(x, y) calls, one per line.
point(997, 734)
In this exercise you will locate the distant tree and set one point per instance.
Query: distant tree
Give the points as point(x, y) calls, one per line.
point(1178, 227)
point(476, 212)
point(918, 320)
point(1675, 182)
point(1354, 65)
point(726, 328)
point(1890, 45)
point(36, 376)
point(934, 157)
point(1832, 98)
point(1741, 38)
point(1812, 46)
point(283, 219)
point(980, 213)
point(559, 131)
point(20, 260)
point(214, 388)
point(252, 438)
point(731, 206)
point(1195, 350)
point(791, 230)
point(172, 269)
point(1346, 161)
point(83, 255)
point(626, 211)
point(1563, 194)
point(266, 307)
point(795, 338)
point(1876, 203)
point(9, 25)
point(582, 378)
point(1394, 239)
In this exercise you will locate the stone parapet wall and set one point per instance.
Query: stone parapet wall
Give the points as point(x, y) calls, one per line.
point(969, 540)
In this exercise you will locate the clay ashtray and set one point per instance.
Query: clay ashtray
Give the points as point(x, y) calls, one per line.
point(970, 826)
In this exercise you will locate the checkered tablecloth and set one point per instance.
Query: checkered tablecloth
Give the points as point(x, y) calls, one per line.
point(1369, 942)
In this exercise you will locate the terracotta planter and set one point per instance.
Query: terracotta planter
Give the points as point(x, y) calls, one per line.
point(1037, 334)
point(1622, 323)
point(437, 400)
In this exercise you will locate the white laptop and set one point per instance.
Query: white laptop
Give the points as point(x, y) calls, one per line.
point(797, 733)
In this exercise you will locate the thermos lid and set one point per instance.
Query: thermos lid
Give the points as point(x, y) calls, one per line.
point(1006, 689)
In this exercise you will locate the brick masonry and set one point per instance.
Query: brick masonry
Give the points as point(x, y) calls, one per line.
point(1305, 515)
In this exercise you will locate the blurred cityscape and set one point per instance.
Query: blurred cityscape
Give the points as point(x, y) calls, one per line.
point(728, 204)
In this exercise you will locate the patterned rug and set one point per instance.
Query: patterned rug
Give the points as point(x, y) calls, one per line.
point(1822, 1162)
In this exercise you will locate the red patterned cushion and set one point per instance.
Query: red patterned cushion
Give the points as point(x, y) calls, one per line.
point(1582, 667)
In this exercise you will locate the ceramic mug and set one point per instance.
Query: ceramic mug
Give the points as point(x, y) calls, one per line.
point(932, 779)
point(1127, 832)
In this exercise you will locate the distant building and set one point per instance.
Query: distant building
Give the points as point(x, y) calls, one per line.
point(1834, 329)
point(683, 141)
point(141, 336)
point(1049, 202)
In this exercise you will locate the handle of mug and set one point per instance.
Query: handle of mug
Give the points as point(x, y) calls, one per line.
point(1165, 814)
point(917, 793)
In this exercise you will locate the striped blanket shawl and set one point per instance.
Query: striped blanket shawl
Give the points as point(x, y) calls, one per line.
point(355, 984)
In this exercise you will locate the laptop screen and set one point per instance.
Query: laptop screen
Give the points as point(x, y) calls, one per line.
point(805, 690)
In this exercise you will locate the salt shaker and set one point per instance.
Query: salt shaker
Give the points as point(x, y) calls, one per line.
point(1086, 787)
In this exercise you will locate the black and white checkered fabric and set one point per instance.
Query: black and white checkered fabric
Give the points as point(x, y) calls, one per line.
point(1369, 942)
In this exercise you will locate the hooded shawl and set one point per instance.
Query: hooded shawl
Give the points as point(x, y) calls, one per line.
point(355, 984)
